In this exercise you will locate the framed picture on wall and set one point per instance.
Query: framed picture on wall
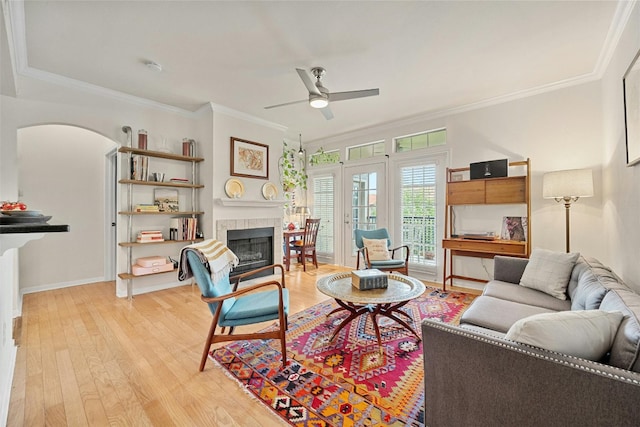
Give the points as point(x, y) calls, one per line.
point(249, 159)
point(631, 84)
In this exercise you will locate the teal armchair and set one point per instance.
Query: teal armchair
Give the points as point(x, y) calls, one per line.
point(400, 264)
point(231, 307)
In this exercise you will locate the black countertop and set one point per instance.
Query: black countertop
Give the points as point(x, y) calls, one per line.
point(33, 228)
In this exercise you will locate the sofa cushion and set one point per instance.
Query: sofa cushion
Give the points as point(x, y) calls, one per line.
point(498, 314)
point(549, 272)
point(590, 281)
point(377, 249)
point(516, 293)
point(589, 292)
point(588, 334)
point(625, 351)
point(508, 269)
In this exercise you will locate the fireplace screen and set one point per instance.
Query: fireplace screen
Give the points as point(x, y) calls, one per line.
point(254, 249)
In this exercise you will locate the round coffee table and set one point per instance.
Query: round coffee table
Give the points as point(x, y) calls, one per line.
point(375, 302)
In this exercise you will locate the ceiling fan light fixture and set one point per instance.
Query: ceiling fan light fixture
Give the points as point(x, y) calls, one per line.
point(318, 101)
point(300, 151)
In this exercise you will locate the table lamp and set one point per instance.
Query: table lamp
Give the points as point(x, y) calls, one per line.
point(567, 186)
point(303, 211)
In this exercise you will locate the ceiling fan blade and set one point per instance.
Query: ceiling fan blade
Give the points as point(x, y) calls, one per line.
point(286, 103)
point(341, 96)
point(311, 87)
point(326, 112)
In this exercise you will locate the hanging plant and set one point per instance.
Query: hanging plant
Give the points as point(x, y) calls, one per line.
point(291, 177)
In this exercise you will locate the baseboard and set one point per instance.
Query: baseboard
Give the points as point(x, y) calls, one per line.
point(60, 285)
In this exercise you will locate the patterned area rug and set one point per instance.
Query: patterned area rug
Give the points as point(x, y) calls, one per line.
point(347, 381)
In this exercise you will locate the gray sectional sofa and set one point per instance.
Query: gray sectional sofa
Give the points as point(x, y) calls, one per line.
point(476, 376)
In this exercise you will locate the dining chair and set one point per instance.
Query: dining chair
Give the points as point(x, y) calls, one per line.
point(233, 307)
point(306, 248)
point(387, 261)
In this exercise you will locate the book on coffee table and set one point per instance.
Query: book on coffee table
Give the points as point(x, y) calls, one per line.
point(369, 279)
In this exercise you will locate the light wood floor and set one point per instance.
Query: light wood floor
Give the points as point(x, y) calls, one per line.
point(86, 357)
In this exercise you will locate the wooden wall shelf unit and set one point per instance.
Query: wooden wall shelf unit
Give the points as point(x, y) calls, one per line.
point(491, 191)
point(130, 213)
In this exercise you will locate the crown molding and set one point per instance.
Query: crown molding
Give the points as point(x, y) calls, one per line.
point(619, 22)
point(217, 108)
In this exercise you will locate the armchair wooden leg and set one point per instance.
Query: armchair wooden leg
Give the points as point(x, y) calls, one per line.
point(284, 325)
point(207, 346)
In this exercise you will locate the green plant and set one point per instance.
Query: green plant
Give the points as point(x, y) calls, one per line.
point(321, 157)
point(291, 176)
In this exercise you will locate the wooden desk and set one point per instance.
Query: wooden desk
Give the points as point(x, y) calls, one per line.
point(479, 249)
point(287, 237)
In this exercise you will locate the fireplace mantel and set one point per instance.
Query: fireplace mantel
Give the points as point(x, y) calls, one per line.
point(255, 203)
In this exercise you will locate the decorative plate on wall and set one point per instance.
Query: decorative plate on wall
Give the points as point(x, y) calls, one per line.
point(269, 191)
point(234, 188)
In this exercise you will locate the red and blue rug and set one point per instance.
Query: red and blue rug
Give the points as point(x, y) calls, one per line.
point(347, 381)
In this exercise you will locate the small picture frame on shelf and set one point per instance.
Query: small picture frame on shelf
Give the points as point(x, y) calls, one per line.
point(166, 199)
point(514, 228)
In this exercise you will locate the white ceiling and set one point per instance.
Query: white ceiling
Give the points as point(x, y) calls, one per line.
point(425, 56)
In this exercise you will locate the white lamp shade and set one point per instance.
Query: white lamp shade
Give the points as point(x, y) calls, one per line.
point(567, 183)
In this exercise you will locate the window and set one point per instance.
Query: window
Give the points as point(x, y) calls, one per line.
point(421, 140)
point(365, 151)
point(324, 157)
point(323, 191)
point(418, 211)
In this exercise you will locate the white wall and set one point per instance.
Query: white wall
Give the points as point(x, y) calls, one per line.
point(224, 127)
point(61, 172)
point(621, 184)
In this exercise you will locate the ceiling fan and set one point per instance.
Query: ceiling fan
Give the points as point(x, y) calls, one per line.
point(319, 96)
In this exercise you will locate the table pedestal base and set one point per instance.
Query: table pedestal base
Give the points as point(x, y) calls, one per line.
point(388, 310)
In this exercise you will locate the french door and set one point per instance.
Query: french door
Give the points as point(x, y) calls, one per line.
point(365, 203)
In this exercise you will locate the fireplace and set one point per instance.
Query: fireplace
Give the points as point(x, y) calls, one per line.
point(254, 249)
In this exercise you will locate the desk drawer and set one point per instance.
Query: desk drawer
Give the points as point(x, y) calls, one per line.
point(496, 247)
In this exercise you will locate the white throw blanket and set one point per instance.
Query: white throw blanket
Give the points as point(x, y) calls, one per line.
point(215, 255)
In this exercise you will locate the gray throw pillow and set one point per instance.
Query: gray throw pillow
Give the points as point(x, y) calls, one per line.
point(582, 333)
point(549, 272)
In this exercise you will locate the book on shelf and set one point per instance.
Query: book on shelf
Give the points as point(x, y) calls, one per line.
point(148, 236)
point(139, 168)
point(143, 232)
point(180, 180)
point(369, 279)
point(183, 228)
point(143, 207)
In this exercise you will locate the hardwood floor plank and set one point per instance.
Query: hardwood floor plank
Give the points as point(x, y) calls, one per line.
point(84, 383)
point(73, 401)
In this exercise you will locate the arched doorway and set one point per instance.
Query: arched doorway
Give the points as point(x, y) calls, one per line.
point(65, 171)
